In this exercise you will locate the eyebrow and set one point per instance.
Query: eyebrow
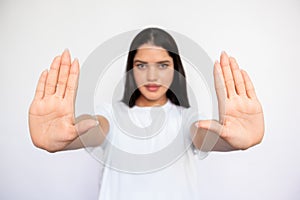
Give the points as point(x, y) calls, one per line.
point(163, 61)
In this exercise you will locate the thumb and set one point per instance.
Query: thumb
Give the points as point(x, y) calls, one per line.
point(211, 125)
point(84, 125)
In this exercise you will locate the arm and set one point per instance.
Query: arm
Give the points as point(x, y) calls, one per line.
point(51, 119)
point(241, 121)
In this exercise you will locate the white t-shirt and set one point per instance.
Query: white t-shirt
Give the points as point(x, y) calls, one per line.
point(148, 153)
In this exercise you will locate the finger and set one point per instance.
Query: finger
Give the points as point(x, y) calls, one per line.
point(229, 82)
point(219, 81)
point(40, 89)
point(73, 80)
point(63, 73)
point(85, 125)
point(52, 77)
point(248, 85)
point(220, 89)
point(237, 77)
point(210, 125)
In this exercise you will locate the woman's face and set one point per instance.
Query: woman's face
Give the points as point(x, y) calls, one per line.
point(153, 71)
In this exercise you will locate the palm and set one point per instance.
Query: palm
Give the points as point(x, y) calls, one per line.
point(52, 118)
point(242, 118)
point(51, 114)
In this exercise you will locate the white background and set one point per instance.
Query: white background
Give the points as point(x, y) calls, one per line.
point(262, 35)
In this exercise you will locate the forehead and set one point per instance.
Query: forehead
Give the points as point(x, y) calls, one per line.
point(151, 53)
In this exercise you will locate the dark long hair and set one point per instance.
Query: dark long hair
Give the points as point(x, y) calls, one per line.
point(177, 93)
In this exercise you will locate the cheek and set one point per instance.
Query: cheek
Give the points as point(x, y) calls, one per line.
point(138, 77)
point(167, 78)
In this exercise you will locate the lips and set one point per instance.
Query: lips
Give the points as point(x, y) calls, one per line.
point(152, 87)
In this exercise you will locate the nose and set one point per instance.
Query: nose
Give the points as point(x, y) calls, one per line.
point(152, 74)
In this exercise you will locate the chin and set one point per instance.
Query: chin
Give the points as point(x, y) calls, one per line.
point(152, 98)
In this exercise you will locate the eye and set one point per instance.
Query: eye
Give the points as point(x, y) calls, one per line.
point(163, 65)
point(141, 66)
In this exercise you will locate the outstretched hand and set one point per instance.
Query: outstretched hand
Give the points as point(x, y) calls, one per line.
point(51, 114)
point(241, 121)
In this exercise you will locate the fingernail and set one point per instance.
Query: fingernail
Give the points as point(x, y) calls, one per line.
point(66, 49)
point(197, 124)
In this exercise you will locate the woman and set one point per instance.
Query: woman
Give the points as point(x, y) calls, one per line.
point(154, 78)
